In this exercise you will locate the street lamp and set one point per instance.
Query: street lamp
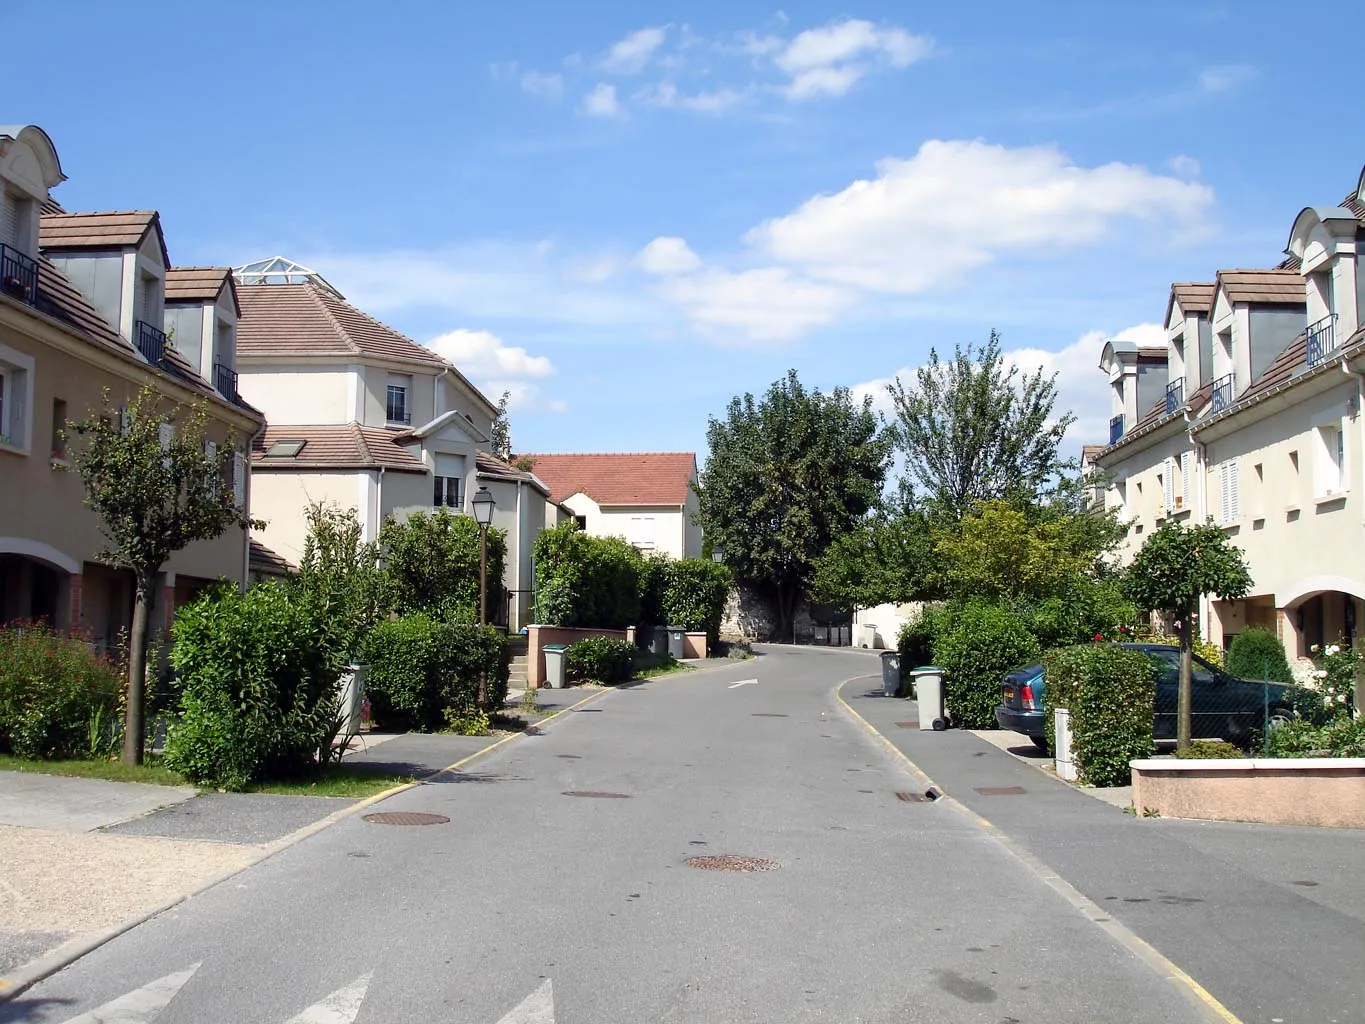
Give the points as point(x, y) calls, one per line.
point(483, 515)
point(717, 555)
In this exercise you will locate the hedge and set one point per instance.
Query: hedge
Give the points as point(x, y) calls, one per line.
point(694, 595)
point(915, 641)
point(1256, 652)
point(420, 669)
point(432, 565)
point(600, 659)
point(57, 698)
point(975, 646)
point(1111, 693)
point(590, 582)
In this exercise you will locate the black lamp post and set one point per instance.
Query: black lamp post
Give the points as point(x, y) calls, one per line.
point(483, 515)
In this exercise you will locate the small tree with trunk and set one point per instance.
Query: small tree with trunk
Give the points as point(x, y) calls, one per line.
point(1175, 568)
point(501, 439)
point(157, 485)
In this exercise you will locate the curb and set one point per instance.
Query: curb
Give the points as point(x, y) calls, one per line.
point(1208, 1006)
point(44, 967)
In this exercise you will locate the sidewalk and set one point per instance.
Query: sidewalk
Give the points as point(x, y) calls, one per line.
point(1269, 919)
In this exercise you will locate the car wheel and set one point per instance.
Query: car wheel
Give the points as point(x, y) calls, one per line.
point(1040, 742)
point(1279, 718)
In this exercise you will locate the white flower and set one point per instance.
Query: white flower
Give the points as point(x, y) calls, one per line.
point(1320, 674)
point(1333, 649)
point(1314, 648)
point(1341, 698)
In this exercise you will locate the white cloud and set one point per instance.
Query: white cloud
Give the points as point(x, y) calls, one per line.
point(538, 83)
point(602, 101)
point(667, 95)
point(1184, 166)
point(765, 304)
point(521, 396)
point(958, 205)
point(1225, 78)
point(825, 82)
point(629, 56)
point(666, 255)
point(483, 354)
point(829, 60)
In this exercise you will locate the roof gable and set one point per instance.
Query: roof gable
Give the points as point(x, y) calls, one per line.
point(1262, 287)
point(64, 232)
point(1192, 297)
point(341, 446)
point(624, 478)
point(199, 284)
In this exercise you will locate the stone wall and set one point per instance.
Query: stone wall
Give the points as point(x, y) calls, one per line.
point(748, 616)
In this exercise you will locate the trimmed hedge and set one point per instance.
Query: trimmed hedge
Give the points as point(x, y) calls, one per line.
point(1110, 693)
point(600, 659)
point(915, 641)
point(975, 646)
point(57, 698)
point(694, 595)
point(591, 582)
point(421, 669)
point(1256, 651)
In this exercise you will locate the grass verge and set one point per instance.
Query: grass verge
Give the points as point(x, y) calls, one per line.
point(152, 772)
point(336, 780)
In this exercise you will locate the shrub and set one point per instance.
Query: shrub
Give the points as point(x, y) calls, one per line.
point(975, 646)
point(1205, 749)
point(1342, 737)
point(339, 577)
point(592, 582)
point(915, 641)
point(421, 670)
point(653, 583)
point(600, 659)
point(694, 595)
point(1110, 693)
point(57, 698)
point(432, 565)
point(1254, 653)
point(257, 677)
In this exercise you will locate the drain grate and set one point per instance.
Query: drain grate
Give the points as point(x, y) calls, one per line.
point(767, 714)
point(1001, 790)
point(913, 798)
point(406, 818)
point(731, 862)
point(907, 725)
point(596, 794)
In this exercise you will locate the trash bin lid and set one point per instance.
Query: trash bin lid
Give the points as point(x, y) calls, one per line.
point(890, 654)
point(929, 668)
point(555, 647)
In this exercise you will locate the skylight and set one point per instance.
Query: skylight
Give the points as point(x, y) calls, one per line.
point(285, 449)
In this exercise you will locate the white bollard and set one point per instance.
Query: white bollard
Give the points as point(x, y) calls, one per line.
point(1061, 724)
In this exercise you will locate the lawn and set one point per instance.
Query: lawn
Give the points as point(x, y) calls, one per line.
point(336, 780)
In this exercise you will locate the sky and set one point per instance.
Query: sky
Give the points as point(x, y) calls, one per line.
point(625, 213)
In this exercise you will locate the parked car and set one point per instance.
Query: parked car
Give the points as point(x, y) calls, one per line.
point(1222, 706)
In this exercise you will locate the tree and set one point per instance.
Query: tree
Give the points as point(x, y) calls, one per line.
point(995, 552)
point(975, 428)
point(1175, 568)
point(432, 564)
point(785, 476)
point(884, 559)
point(157, 486)
point(339, 579)
point(501, 441)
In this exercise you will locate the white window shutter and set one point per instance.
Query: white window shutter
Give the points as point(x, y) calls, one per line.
point(1168, 485)
point(1234, 500)
point(1224, 505)
point(166, 433)
point(239, 479)
point(1186, 475)
point(210, 453)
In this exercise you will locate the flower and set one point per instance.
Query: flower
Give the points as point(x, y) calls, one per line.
point(1320, 674)
point(1333, 649)
point(1099, 637)
point(1314, 648)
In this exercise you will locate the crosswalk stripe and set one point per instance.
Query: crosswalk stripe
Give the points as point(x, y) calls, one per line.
point(340, 1007)
point(537, 1008)
point(141, 1006)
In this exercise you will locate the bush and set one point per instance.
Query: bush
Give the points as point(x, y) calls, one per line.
point(1342, 737)
point(915, 641)
point(257, 678)
point(432, 565)
point(1255, 652)
point(600, 659)
point(590, 582)
point(422, 671)
point(694, 595)
point(57, 698)
point(975, 646)
point(1110, 693)
point(1205, 749)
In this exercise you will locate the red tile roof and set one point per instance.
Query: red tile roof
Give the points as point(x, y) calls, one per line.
point(627, 478)
point(307, 320)
point(196, 284)
point(1280, 287)
point(339, 446)
point(1281, 368)
point(267, 562)
point(117, 229)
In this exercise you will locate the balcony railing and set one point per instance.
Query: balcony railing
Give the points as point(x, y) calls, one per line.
point(151, 342)
point(1321, 339)
point(225, 380)
point(1175, 395)
point(18, 275)
point(1115, 429)
point(1222, 393)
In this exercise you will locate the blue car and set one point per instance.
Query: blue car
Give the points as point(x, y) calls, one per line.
point(1221, 707)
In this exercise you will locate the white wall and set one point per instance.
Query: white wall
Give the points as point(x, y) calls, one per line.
point(661, 528)
point(301, 395)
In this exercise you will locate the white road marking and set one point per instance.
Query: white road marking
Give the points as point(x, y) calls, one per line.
point(744, 682)
point(537, 1008)
point(141, 1006)
point(340, 1007)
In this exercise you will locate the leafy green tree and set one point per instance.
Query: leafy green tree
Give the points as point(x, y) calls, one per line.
point(883, 559)
point(432, 565)
point(975, 428)
point(339, 579)
point(786, 475)
point(995, 552)
point(1175, 568)
point(501, 441)
point(157, 487)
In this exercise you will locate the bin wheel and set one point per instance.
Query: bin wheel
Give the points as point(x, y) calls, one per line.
point(939, 725)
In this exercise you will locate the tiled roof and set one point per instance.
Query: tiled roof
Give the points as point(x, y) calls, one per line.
point(1283, 287)
point(634, 478)
point(340, 446)
point(491, 465)
point(1280, 369)
point(115, 230)
point(1194, 297)
point(306, 320)
point(196, 284)
point(51, 206)
point(263, 560)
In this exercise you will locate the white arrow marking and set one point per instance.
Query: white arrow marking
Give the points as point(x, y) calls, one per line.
point(338, 1008)
point(141, 1006)
point(744, 682)
point(537, 1008)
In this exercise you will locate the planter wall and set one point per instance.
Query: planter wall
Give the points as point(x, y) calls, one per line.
point(538, 636)
point(1328, 792)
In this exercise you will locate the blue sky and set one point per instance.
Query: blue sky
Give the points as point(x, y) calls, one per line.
point(629, 212)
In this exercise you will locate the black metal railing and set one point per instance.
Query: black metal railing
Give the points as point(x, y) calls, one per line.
point(18, 275)
point(1175, 395)
point(1321, 339)
point(1222, 394)
point(1116, 428)
point(151, 342)
point(225, 380)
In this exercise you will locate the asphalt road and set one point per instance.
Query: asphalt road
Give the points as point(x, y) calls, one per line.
point(534, 904)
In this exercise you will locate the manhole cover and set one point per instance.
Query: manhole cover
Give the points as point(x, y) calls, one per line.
point(596, 794)
point(1001, 790)
point(406, 818)
point(731, 862)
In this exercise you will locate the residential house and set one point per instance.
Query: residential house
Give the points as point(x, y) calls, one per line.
point(1260, 429)
point(83, 310)
point(364, 418)
point(649, 498)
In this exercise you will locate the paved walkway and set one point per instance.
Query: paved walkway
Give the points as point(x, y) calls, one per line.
point(34, 800)
point(1270, 919)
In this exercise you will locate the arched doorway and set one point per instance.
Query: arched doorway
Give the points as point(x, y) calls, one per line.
point(1320, 611)
point(35, 582)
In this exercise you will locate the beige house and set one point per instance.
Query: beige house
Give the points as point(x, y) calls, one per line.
point(649, 498)
point(364, 418)
point(88, 302)
point(1259, 427)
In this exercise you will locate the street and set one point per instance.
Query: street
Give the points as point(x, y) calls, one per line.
point(558, 891)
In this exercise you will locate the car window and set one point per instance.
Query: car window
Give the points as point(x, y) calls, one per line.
point(1166, 664)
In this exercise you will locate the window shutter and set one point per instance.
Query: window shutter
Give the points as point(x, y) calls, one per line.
point(1168, 485)
point(1224, 506)
point(166, 434)
point(1234, 503)
point(210, 453)
point(1186, 474)
point(239, 479)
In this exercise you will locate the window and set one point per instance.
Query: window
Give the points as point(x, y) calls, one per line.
point(1331, 461)
point(397, 407)
point(447, 492)
point(287, 449)
point(582, 522)
point(1229, 499)
point(642, 532)
point(16, 399)
point(59, 429)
